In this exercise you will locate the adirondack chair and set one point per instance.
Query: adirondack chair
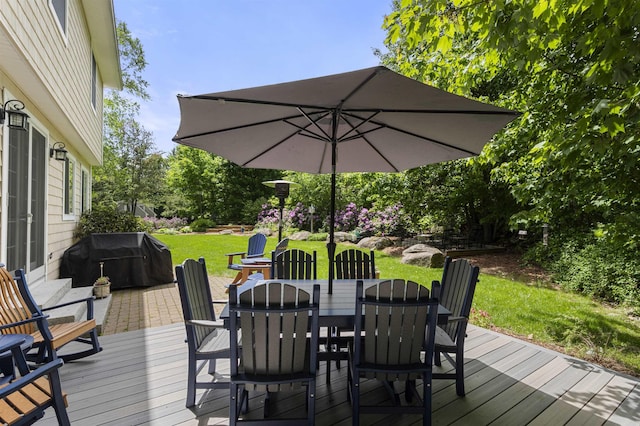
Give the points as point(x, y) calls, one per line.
point(294, 264)
point(348, 264)
point(274, 320)
point(207, 338)
point(18, 306)
point(354, 264)
point(25, 399)
point(389, 335)
point(280, 247)
point(456, 291)
point(255, 248)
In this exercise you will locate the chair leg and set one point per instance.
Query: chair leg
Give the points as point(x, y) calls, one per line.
point(233, 403)
point(426, 397)
point(212, 366)
point(460, 374)
point(267, 401)
point(311, 402)
point(355, 399)
point(58, 400)
point(436, 358)
point(191, 382)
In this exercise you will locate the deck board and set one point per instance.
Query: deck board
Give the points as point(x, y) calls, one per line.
point(139, 379)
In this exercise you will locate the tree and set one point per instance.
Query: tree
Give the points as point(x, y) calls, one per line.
point(132, 169)
point(214, 188)
point(572, 68)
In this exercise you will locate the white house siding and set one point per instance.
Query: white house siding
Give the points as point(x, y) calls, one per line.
point(51, 73)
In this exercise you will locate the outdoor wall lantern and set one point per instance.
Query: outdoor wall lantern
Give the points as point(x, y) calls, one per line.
point(13, 109)
point(58, 152)
point(282, 191)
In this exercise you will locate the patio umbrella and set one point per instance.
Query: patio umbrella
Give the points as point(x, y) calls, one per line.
point(369, 120)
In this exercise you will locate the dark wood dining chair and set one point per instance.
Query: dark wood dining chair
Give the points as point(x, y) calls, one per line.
point(455, 293)
point(207, 338)
point(348, 264)
point(294, 264)
point(354, 264)
point(274, 320)
point(390, 321)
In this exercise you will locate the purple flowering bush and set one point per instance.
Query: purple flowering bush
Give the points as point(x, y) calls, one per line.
point(347, 219)
point(391, 221)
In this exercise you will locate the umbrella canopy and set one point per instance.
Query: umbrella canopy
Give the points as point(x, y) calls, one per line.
point(370, 120)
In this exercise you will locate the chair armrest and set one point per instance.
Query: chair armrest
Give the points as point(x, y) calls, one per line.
point(26, 321)
point(206, 323)
point(87, 300)
point(242, 254)
point(42, 370)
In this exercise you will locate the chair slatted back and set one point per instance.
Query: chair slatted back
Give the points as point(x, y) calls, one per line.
point(274, 320)
point(281, 246)
point(395, 318)
point(459, 280)
point(195, 296)
point(354, 264)
point(257, 243)
point(13, 307)
point(294, 264)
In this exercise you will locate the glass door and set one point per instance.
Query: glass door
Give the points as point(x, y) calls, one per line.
point(26, 202)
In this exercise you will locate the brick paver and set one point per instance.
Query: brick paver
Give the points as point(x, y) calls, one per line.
point(137, 308)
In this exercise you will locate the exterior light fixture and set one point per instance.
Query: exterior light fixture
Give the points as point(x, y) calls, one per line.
point(58, 152)
point(13, 109)
point(282, 191)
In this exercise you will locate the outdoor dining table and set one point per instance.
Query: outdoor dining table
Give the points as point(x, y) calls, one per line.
point(337, 309)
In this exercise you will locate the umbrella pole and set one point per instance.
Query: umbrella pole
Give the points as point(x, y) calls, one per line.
point(332, 222)
point(331, 247)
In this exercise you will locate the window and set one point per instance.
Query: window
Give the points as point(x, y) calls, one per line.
point(85, 203)
point(94, 81)
point(69, 187)
point(60, 7)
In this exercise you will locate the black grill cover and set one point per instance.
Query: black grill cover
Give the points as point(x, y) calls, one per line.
point(131, 259)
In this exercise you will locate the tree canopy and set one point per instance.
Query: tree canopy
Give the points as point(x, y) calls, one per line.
point(572, 68)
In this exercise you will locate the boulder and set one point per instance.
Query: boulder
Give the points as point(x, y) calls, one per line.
point(423, 255)
point(300, 236)
point(375, 243)
point(340, 237)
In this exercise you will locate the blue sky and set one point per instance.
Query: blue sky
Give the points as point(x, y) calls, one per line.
point(203, 46)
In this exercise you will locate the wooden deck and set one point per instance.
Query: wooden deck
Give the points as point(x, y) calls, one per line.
point(139, 378)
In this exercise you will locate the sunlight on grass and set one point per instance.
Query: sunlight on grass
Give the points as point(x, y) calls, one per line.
point(584, 328)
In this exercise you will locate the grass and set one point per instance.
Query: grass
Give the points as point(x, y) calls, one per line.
point(567, 322)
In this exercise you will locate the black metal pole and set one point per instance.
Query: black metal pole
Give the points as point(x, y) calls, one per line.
point(280, 220)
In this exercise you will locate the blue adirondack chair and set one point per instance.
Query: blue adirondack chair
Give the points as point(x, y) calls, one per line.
point(255, 248)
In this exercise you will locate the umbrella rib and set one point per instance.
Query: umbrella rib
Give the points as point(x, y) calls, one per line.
point(383, 125)
point(315, 123)
point(243, 126)
point(433, 111)
point(255, 101)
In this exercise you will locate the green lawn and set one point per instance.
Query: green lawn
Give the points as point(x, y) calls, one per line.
point(574, 324)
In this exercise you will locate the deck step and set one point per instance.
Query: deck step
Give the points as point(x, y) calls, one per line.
point(55, 292)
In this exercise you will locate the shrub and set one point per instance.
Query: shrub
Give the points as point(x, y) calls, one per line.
point(201, 225)
point(104, 219)
point(158, 223)
point(320, 236)
point(593, 266)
